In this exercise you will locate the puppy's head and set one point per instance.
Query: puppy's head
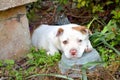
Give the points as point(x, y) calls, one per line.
point(74, 41)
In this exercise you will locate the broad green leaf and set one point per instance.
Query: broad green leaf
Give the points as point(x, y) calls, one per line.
point(109, 36)
point(30, 56)
point(109, 26)
point(109, 2)
point(9, 62)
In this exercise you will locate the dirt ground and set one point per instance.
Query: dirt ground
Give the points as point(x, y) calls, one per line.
point(99, 73)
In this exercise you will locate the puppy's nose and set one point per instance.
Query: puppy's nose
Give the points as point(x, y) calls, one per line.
point(73, 51)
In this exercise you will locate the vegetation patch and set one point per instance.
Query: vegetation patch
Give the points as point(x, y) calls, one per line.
point(102, 17)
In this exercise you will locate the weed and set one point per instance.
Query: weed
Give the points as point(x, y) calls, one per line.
point(35, 60)
point(106, 40)
point(40, 58)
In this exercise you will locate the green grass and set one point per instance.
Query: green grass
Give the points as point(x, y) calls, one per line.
point(34, 60)
point(40, 58)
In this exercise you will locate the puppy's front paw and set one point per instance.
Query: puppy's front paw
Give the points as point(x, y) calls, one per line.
point(87, 50)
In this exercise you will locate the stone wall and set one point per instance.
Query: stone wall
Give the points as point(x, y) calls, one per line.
point(14, 33)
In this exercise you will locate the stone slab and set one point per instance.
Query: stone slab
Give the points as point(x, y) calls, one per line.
point(6, 4)
point(72, 67)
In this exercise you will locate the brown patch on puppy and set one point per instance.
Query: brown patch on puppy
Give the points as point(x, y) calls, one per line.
point(82, 29)
point(59, 32)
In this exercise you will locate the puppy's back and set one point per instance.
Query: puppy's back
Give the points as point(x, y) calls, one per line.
point(41, 35)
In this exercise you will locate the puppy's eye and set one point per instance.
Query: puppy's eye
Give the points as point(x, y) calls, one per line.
point(65, 42)
point(79, 40)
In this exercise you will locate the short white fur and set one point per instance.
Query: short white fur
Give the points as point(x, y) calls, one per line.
point(45, 37)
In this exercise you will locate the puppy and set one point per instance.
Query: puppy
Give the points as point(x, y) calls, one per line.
point(71, 39)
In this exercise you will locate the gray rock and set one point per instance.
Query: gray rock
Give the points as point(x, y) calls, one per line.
point(72, 67)
point(61, 20)
point(14, 33)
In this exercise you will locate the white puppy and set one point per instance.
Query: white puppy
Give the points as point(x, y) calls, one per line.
point(71, 39)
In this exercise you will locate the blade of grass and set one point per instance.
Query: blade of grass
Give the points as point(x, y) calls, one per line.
point(55, 75)
point(84, 75)
point(105, 42)
point(89, 64)
point(88, 26)
point(86, 66)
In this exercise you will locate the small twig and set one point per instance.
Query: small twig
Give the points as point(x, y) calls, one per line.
point(78, 16)
point(54, 12)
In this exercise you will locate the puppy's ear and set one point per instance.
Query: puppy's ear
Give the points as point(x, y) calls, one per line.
point(59, 32)
point(83, 30)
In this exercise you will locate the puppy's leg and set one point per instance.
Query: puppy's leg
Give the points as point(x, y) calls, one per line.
point(88, 47)
point(52, 50)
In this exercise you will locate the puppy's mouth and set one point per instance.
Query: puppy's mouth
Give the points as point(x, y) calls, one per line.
point(74, 57)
